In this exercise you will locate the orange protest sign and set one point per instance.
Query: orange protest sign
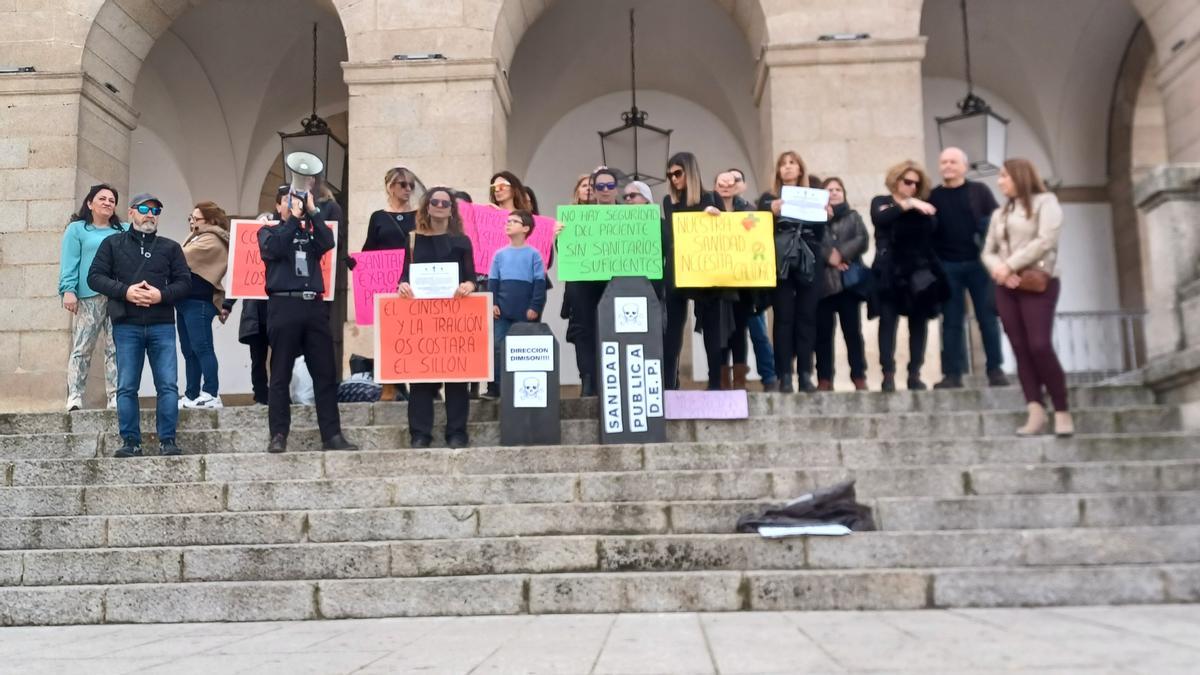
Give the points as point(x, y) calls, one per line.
point(246, 275)
point(434, 339)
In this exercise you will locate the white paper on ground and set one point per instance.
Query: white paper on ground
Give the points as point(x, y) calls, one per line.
point(433, 280)
point(822, 530)
point(804, 203)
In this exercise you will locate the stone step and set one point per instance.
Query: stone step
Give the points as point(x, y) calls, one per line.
point(589, 593)
point(365, 414)
point(600, 554)
point(945, 481)
point(804, 454)
point(1120, 509)
point(1150, 419)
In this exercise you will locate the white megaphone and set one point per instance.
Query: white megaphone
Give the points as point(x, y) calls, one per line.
point(303, 166)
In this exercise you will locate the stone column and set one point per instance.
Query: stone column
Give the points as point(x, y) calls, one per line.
point(852, 110)
point(1169, 199)
point(446, 120)
point(59, 133)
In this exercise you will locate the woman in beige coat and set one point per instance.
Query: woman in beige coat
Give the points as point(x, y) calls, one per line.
point(1021, 253)
point(207, 253)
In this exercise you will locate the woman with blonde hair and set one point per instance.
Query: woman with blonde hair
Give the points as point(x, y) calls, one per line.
point(1021, 253)
point(388, 230)
point(909, 279)
point(582, 193)
point(207, 253)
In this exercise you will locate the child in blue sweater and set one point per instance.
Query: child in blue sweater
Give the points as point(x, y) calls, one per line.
point(518, 281)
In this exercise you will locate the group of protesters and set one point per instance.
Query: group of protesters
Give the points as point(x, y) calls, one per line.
point(933, 245)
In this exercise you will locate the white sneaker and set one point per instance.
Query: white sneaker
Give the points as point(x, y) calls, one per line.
point(74, 404)
point(185, 402)
point(204, 401)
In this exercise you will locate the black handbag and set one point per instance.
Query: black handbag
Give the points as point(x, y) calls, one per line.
point(794, 259)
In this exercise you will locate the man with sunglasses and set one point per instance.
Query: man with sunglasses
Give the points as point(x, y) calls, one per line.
point(143, 274)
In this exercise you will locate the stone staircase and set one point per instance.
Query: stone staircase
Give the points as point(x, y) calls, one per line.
point(970, 516)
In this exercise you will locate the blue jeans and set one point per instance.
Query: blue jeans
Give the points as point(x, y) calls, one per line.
point(135, 343)
point(194, 319)
point(969, 277)
point(764, 356)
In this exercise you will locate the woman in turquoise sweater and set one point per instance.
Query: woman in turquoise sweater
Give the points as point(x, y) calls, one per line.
point(95, 221)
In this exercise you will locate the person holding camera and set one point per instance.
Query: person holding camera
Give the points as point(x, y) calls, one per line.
point(298, 319)
point(144, 275)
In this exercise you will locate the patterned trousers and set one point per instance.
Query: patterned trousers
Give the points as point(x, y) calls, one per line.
point(90, 320)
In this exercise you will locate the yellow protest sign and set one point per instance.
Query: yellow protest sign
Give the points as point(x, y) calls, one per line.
point(732, 250)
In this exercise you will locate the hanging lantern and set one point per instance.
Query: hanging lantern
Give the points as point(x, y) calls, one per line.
point(630, 146)
point(976, 129)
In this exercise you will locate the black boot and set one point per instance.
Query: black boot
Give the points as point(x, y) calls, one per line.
point(338, 442)
point(950, 382)
point(278, 444)
point(915, 383)
point(586, 386)
point(804, 383)
point(785, 384)
point(889, 382)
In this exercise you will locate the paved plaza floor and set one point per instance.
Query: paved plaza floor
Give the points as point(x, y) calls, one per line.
point(1159, 640)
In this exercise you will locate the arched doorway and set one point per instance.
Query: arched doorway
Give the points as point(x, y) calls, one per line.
point(213, 85)
point(570, 79)
point(1054, 69)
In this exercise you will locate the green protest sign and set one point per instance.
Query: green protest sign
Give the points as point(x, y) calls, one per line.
point(601, 242)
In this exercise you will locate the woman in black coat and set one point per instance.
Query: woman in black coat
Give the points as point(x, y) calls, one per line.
point(685, 195)
point(909, 279)
point(798, 288)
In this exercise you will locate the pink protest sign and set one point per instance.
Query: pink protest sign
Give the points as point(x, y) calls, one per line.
point(707, 405)
point(484, 225)
point(374, 272)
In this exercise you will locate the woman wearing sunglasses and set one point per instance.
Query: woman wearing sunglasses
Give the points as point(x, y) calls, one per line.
point(909, 280)
point(799, 286)
point(389, 227)
point(508, 192)
point(581, 298)
point(388, 230)
point(206, 251)
point(439, 238)
point(685, 194)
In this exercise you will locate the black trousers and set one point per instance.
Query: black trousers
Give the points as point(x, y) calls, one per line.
point(298, 327)
point(738, 344)
point(420, 409)
point(585, 299)
point(258, 345)
point(795, 326)
point(847, 306)
point(677, 307)
point(918, 331)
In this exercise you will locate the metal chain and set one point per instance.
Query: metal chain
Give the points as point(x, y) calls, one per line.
point(314, 71)
point(967, 47)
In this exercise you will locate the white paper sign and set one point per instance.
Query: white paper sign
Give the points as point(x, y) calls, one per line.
point(529, 390)
point(654, 388)
point(635, 385)
point(804, 203)
point(610, 390)
point(529, 352)
point(433, 280)
point(630, 315)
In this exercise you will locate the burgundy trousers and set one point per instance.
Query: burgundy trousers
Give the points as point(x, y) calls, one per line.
point(1028, 320)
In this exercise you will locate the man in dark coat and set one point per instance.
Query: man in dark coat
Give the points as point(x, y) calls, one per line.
point(143, 274)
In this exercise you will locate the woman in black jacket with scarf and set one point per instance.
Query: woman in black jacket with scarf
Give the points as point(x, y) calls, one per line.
point(798, 288)
point(909, 279)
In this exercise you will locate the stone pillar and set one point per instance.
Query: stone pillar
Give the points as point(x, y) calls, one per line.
point(852, 110)
point(59, 133)
point(446, 120)
point(1169, 198)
